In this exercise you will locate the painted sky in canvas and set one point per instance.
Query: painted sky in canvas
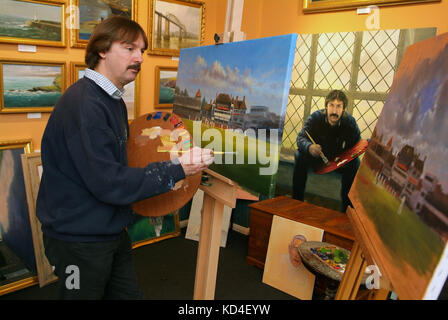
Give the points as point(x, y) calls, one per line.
point(416, 110)
point(256, 69)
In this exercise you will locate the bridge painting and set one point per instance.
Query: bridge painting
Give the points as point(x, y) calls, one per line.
point(176, 25)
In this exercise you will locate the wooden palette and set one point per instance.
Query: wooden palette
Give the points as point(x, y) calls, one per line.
point(148, 135)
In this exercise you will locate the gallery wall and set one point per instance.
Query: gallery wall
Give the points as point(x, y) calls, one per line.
point(261, 18)
point(265, 18)
point(18, 126)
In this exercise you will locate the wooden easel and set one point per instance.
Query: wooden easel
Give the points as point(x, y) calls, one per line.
point(356, 266)
point(221, 191)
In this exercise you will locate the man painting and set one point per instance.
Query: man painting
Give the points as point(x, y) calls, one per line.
point(333, 131)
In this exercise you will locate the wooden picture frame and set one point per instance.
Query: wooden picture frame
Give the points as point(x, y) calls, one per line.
point(310, 6)
point(32, 172)
point(165, 87)
point(88, 16)
point(169, 44)
point(76, 71)
point(30, 86)
point(33, 22)
point(15, 229)
point(131, 96)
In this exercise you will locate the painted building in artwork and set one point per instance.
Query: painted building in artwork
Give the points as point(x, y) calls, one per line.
point(188, 107)
point(403, 176)
point(225, 111)
point(260, 117)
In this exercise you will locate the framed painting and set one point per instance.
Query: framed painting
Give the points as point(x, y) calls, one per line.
point(165, 87)
point(400, 192)
point(30, 86)
point(33, 22)
point(175, 25)
point(335, 5)
point(131, 96)
point(146, 230)
point(16, 245)
point(32, 173)
point(91, 12)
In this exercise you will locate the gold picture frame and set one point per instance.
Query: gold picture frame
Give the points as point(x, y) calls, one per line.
point(32, 172)
point(10, 180)
point(310, 6)
point(169, 44)
point(34, 22)
point(164, 87)
point(131, 96)
point(81, 29)
point(30, 85)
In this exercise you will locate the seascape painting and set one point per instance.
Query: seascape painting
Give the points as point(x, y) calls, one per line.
point(167, 86)
point(92, 12)
point(22, 21)
point(31, 85)
point(401, 190)
point(233, 98)
point(15, 228)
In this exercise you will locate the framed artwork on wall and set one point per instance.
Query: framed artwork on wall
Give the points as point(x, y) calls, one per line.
point(131, 96)
point(91, 12)
point(175, 25)
point(16, 245)
point(335, 5)
point(30, 86)
point(32, 173)
point(165, 86)
point(33, 22)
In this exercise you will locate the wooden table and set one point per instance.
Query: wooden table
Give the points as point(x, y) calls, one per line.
point(336, 225)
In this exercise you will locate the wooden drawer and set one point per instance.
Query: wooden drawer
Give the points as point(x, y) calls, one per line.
point(336, 226)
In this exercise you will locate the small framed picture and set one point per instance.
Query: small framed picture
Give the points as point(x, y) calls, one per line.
point(30, 86)
point(165, 86)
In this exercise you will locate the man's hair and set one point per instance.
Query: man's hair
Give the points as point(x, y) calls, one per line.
point(336, 94)
point(115, 28)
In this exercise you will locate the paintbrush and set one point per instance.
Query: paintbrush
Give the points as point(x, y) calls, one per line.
point(324, 158)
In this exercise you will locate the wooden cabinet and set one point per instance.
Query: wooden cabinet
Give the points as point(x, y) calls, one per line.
point(336, 225)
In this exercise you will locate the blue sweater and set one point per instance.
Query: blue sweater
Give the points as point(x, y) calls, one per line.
point(333, 139)
point(86, 187)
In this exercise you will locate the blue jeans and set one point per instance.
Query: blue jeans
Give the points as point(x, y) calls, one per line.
point(303, 162)
point(105, 269)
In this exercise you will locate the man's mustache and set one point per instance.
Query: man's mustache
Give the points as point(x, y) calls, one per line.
point(334, 115)
point(135, 66)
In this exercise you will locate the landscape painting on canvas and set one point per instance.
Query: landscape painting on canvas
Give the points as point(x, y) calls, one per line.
point(401, 190)
point(232, 97)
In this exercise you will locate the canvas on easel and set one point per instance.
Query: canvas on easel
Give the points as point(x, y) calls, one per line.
point(232, 98)
point(400, 193)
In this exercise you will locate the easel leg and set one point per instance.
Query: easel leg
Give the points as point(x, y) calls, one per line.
point(353, 274)
point(208, 251)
